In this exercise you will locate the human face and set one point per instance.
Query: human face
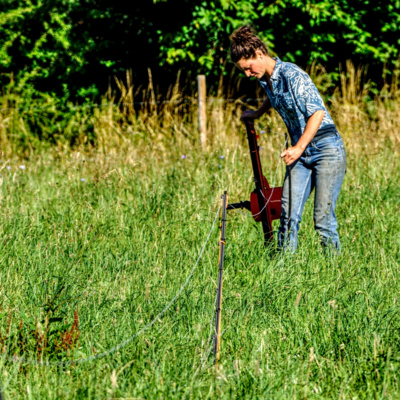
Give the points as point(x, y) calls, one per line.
point(255, 67)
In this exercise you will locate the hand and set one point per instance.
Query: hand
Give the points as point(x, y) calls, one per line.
point(250, 114)
point(291, 155)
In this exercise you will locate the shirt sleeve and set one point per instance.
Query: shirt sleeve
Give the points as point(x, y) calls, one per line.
point(304, 92)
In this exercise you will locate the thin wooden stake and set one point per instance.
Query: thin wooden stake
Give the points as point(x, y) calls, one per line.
point(217, 335)
point(201, 83)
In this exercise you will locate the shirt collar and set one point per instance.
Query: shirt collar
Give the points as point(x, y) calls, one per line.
point(274, 77)
point(277, 69)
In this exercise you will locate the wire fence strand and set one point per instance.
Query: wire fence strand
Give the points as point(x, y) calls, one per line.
point(51, 107)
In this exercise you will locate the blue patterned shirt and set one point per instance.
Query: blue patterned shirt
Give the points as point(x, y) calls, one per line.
point(295, 98)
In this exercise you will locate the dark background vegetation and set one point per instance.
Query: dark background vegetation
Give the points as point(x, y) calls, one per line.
point(73, 49)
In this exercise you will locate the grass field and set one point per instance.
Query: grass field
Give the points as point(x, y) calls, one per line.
point(94, 245)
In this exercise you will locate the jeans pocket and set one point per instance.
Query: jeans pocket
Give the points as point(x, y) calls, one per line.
point(329, 144)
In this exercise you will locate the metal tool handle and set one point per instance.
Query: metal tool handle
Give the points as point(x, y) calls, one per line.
point(217, 335)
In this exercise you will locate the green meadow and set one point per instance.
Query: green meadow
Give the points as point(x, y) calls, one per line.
point(97, 239)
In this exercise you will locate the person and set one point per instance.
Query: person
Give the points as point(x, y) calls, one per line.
point(316, 159)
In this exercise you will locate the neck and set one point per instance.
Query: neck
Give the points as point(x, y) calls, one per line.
point(269, 66)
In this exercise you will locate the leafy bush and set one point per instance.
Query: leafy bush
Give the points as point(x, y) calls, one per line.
point(72, 47)
point(325, 31)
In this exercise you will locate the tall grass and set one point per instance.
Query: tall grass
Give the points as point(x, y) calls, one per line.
point(96, 236)
point(131, 117)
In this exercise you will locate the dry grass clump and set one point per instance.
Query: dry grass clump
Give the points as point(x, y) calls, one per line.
point(133, 121)
point(368, 125)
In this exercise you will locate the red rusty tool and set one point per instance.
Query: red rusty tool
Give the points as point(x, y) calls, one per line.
point(265, 202)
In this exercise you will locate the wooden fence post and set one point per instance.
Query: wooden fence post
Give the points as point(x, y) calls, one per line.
point(201, 83)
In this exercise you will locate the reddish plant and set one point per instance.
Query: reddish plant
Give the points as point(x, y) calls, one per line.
point(69, 338)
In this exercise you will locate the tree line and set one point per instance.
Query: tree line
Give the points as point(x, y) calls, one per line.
point(74, 48)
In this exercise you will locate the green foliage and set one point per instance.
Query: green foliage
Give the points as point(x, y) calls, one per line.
point(325, 31)
point(77, 43)
point(39, 40)
point(83, 44)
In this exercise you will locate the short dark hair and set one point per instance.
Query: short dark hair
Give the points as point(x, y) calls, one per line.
point(245, 43)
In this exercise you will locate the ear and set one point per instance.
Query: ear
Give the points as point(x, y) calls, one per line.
point(259, 54)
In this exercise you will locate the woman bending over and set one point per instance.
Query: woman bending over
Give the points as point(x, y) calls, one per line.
point(316, 158)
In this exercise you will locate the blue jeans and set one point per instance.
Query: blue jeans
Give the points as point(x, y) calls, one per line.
point(321, 167)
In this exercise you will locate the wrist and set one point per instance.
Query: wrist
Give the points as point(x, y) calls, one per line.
point(300, 146)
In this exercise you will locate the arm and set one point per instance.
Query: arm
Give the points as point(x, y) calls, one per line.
point(293, 153)
point(310, 104)
point(257, 113)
